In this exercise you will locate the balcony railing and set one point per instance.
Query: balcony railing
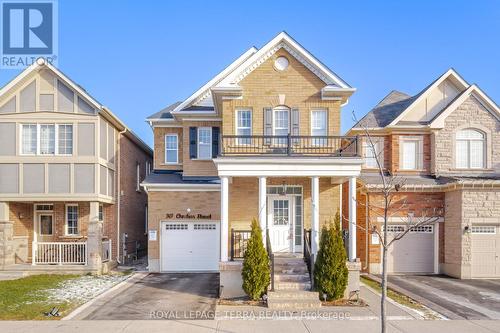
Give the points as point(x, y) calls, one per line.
point(290, 145)
point(239, 240)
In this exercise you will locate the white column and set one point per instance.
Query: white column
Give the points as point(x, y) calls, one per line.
point(315, 215)
point(224, 218)
point(352, 219)
point(263, 207)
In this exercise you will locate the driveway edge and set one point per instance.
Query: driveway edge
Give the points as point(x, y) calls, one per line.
point(131, 280)
point(422, 300)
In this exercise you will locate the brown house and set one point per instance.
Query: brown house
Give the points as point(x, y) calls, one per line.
point(70, 170)
point(444, 143)
point(260, 140)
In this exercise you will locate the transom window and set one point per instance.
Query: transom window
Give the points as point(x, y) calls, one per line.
point(244, 126)
point(204, 143)
point(171, 149)
point(47, 139)
point(470, 149)
point(72, 219)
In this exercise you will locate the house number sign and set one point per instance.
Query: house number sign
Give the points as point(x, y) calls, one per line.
point(189, 216)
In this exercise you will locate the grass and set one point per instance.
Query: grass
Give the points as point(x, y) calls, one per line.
point(400, 298)
point(27, 298)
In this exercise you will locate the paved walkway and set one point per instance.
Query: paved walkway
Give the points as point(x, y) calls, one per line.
point(288, 326)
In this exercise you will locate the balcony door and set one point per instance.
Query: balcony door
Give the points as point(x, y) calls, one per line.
point(281, 125)
point(280, 223)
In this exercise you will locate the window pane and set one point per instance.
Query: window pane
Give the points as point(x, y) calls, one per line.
point(65, 140)
point(370, 155)
point(409, 155)
point(29, 139)
point(171, 156)
point(462, 151)
point(281, 124)
point(72, 220)
point(318, 122)
point(204, 142)
point(47, 139)
point(244, 119)
point(476, 154)
point(469, 134)
point(171, 148)
point(46, 224)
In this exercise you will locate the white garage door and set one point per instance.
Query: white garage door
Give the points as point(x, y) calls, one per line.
point(189, 246)
point(414, 253)
point(486, 251)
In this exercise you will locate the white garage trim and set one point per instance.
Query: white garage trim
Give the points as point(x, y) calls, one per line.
point(189, 246)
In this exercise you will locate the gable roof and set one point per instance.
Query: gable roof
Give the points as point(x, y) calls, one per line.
point(201, 101)
point(164, 113)
point(386, 110)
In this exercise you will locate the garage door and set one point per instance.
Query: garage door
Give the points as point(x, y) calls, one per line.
point(414, 253)
point(486, 251)
point(189, 246)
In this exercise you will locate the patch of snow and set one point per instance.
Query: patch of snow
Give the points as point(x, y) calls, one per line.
point(84, 288)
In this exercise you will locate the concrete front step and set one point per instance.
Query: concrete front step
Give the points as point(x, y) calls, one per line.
point(292, 285)
point(291, 270)
point(291, 277)
point(293, 294)
point(293, 304)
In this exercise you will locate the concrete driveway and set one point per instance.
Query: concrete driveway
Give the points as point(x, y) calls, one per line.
point(159, 296)
point(456, 299)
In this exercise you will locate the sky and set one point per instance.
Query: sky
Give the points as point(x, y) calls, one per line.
point(137, 57)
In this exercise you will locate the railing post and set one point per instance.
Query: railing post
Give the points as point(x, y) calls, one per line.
point(272, 271)
point(34, 246)
point(232, 244)
point(60, 253)
point(289, 145)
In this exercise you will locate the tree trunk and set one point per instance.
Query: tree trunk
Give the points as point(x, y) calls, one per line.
point(383, 309)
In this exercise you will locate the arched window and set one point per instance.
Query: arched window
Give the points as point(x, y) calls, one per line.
point(470, 152)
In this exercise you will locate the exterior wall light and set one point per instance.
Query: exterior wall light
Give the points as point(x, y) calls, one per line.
point(467, 229)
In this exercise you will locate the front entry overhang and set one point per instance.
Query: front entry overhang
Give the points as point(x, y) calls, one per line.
point(288, 166)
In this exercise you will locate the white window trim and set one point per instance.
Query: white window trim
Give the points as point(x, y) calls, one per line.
point(66, 220)
point(176, 148)
point(420, 152)
point(281, 108)
point(485, 150)
point(236, 127)
point(138, 176)
point(379, 143)
point(101, 208)
point(326, 120)
point(38, 142)
point(198, 144)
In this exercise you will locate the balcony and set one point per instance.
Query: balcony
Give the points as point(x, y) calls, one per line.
point(313, 146)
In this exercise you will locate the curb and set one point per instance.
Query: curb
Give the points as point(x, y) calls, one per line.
point(131, 280)
point(422, 300)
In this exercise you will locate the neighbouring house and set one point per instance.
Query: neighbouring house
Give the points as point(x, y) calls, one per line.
point(445, 143)
point(70, 173)
point(259, 140)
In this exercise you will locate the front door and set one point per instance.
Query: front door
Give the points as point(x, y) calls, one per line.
point(280, 223)
point(45, 228)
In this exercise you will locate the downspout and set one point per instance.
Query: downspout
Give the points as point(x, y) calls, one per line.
point(118, 197)
point(366, 232)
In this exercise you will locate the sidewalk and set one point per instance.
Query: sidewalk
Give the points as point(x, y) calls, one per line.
point(289, 326)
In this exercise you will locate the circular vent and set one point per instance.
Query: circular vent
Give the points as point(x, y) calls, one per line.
point(281, 63)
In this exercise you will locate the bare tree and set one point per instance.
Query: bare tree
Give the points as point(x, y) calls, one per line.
point(389, 188)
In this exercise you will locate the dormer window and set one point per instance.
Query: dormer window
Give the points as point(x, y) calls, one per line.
point(470, 149)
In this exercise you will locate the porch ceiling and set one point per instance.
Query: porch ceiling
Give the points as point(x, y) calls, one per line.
point(291, 167)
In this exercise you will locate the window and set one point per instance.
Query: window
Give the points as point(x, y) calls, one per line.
point(47, 139)
point(244, 126)
point(148, 168)
point(371, 153)
point(483, 229)
point(65, 139)
point(29, 139)
point(101, 212)
point(72, 219)
point(171, 149)
point(470, 149)
point(281, 122)
point(204, 143)
point(411, 157)
point(46, 225)
point(138, 177)
point(318, 127)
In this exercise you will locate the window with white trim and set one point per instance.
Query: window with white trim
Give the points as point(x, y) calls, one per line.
point(204, 143)
point(483, 229)
point(148, 168)
point(65, 139)
point(370, 152)
point(138, 177)
point(244, 126)
point(411, 153)
point(470, 149)
point(319, 127)
point(29, 139)
point(281, 121)
point(47, 139)
point(72, 219)
point(171, 149)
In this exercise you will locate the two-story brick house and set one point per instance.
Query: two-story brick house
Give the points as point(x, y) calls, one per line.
point(69, 177)
point(260, 140)
point(444, 144)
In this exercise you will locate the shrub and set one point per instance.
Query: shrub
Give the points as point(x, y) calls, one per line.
point(330, 270)
point(255, 272)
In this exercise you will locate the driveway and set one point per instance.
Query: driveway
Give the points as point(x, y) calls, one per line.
point(159, 296)
point(467, 299)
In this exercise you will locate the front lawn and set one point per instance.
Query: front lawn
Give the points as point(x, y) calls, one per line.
point(28, 298)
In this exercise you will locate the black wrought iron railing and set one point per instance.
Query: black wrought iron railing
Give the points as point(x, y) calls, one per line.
point(239, 239)
point(308, 255)
point(290, 145)
point(271, 257)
